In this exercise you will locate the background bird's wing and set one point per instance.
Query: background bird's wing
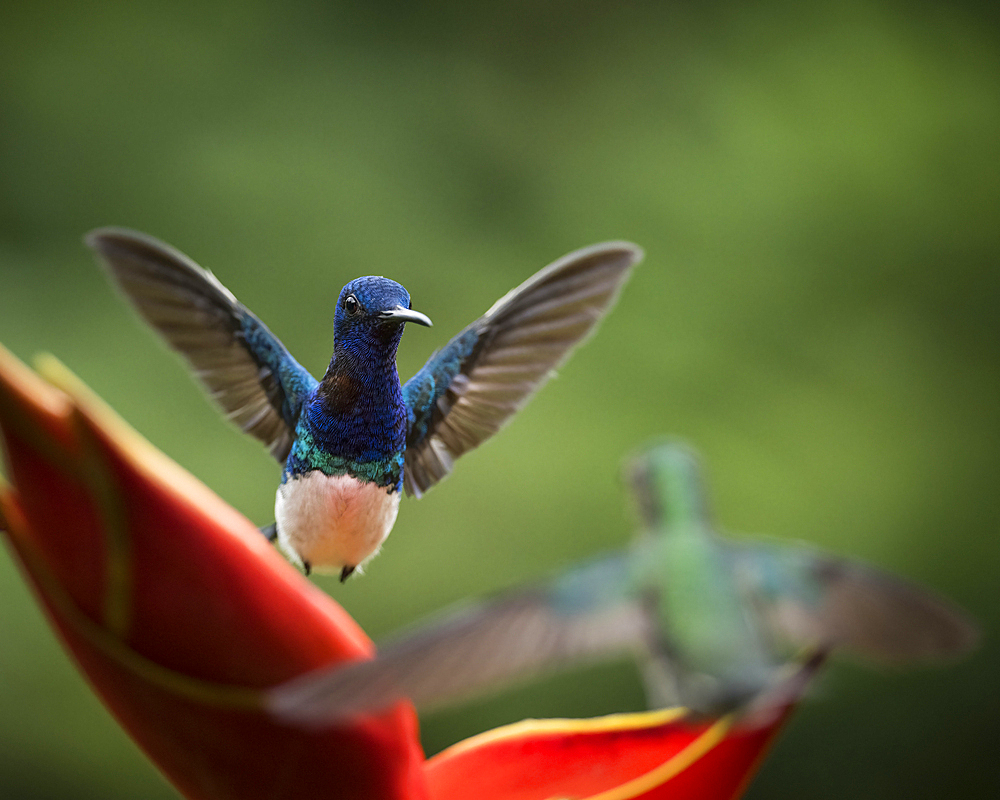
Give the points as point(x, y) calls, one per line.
point(476, 649)
point(247, 371)
point(813, 599)
point(469, 389)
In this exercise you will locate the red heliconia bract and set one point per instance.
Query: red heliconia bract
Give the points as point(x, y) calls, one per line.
point(179, 612)
point(180, 615)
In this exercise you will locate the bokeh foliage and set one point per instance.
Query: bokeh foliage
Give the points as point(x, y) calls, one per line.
point(818, 191)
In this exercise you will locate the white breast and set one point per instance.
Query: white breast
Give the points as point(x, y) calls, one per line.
point(333, 522)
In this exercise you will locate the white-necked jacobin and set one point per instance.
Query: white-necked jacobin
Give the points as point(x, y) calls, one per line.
point(351, 442)
point(713, 620)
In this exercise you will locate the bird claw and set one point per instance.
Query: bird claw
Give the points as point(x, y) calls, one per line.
point(270, 531)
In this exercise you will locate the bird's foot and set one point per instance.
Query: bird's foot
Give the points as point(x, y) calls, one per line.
point(270, 531)
point(345, 573)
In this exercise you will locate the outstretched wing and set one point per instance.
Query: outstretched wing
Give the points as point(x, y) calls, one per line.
point(477, 649)
point(807, 598)
point(469, 389)
point(246, 370)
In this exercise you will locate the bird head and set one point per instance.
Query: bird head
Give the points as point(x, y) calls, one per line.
point(666, 485)
point(373, 309)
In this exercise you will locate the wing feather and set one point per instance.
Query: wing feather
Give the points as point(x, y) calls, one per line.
point(467, 652)
point(480, 379)
point(847, 604)
point(244, 367)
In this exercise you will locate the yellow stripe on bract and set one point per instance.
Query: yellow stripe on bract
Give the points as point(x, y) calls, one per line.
point(94, 471)
point(671, 767)
point(611, 722)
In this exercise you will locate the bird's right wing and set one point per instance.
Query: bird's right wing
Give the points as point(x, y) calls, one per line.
point(469, 389)
point(476, 649)
point(244, 366)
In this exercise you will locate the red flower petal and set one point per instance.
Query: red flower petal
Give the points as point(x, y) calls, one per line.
point(179, 612)
point(660, 754)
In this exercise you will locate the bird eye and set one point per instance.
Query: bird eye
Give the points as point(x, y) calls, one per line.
point(351, 304)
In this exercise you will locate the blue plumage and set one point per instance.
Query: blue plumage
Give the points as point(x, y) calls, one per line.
point(421, 392)
point(353, 441)
point(354, 421)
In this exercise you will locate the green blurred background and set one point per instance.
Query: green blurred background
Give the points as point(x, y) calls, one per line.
point(818, 191)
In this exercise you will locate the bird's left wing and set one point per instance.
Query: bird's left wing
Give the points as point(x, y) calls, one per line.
point(470, 388)
point(477, 649)
point(244, 366)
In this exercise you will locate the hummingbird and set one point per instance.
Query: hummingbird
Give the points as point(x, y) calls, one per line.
point(354, 441)
point(716, 623)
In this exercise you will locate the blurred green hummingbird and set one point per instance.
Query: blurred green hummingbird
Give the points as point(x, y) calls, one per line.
point(353, 441)
point(714, 621)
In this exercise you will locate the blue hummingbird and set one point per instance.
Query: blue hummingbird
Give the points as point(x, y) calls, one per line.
point(717, 624)
point(352, 442)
